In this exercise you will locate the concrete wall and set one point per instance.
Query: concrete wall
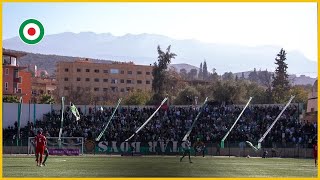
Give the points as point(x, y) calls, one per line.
point(10, 113)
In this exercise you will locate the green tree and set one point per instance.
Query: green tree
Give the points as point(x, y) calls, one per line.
point(200, 76)
point(187, 96)
point(227, 76)
point(183, 73)
point(253, 76)
point(192, 74)
point(280, 82)
point(138, 98)
point(229, 91)
point(213, 77)
point(205, 71)
point(301, 94)
point(265, 79)
point(10, 99)
point(46, 99)
point(258, 93)
point(43, 74)
point(159, 73)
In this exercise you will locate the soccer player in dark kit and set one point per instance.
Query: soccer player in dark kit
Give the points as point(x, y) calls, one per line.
point(187, 150)
point(199, 147)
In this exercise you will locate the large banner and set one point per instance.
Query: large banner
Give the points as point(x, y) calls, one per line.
point(139, 147)
point(67, 152)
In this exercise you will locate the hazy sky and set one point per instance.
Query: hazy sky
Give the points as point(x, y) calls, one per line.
point(289, 25)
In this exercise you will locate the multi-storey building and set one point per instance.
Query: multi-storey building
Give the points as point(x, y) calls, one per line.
point(115, 78)
point(42, 86)
point(16, 80)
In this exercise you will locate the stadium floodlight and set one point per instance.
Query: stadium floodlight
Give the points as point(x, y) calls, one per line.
point(224, 138)
point(194, 122)
point(163, 101)
point(110, 118)
point(258, 147)
point(62, 111)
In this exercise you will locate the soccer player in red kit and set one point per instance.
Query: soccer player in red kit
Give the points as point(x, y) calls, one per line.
point(40, 142)
point(315, 152)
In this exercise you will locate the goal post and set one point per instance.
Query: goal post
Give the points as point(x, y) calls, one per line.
point(70, 146)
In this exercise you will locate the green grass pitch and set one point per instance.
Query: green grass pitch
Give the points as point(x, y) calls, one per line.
point(157, 166)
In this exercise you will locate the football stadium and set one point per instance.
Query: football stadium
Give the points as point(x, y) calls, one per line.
point(98, 144)
point(96, 90)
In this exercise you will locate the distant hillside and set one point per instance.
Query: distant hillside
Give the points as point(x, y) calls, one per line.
point(142, 49)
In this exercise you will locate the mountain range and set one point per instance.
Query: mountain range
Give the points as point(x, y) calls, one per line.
point(142, 49)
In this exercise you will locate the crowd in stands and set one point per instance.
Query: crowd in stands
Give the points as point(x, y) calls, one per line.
point(172, 124)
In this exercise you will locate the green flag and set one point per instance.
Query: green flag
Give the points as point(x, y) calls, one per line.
point(75, 111)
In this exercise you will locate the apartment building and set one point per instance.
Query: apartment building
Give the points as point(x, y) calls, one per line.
point(42, 86)
point(115, 78)
point(16, 80)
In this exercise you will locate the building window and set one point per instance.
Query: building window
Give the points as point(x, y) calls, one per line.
point(88, 89)
point(148, 73)
point(139, 72)
point(122, 72)
point(66, 70)
point(66, 79)
point(105, 80)
point(122, 90)
point(147, 82)
point(105, 89)
point(78, 88)
point(49, 92)
point(139, 81)
point(96, 80)
point(78, 70)
point(87, 70)
point(129, 81)
point(129, 72)
point(114, 81)
point(128, 89)
point(105, 71)
point(16, 73)
point(96, 70)
point(122, 81)
point(65, 88)
point(7, 71)
point(87, 79)
point(6, 86)
point(96, 89)
point(114, 71)
point(41, 91)
point(114, 89)
point(78, 79)
point(6, 60)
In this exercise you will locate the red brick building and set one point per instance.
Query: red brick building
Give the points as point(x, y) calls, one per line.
point(16, 80)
